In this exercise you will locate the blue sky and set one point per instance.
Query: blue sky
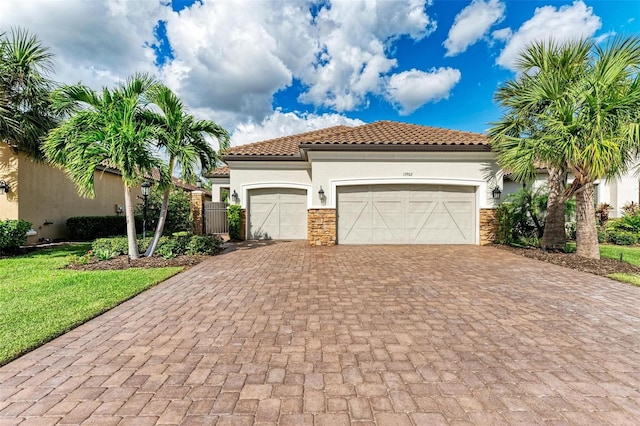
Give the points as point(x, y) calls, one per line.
point(267, 68)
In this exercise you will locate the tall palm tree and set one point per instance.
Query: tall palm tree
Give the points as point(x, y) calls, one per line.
point(584, 118)
point(520, 137)
point(25, 114)
point(183, 138)
point(105, 129)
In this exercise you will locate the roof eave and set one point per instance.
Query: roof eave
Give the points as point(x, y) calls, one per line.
point(388, 147)
point(257, 157)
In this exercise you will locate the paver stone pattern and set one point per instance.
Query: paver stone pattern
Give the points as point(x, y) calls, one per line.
point(387, 335)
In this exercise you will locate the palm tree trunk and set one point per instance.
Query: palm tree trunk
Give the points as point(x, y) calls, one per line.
point(586, 233)
point(160, 226)
point(555, 237)
point(164, 208)
point(131, 224)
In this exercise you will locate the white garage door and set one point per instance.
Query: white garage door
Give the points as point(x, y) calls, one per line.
point(278, 214)
point(406, 214)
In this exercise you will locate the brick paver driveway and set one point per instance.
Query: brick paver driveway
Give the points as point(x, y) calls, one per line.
point(383, 335)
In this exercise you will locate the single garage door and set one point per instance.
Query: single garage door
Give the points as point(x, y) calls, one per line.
point(278, 214)
point(406, 214)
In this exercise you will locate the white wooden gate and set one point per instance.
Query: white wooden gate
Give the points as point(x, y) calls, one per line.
point(215, 218)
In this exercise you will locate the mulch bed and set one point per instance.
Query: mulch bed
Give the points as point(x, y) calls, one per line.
point(123, 262)
point(601, 267)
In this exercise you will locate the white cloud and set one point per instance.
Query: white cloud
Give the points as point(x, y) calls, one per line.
point(503, 34)
point(570, 22)
point(279, 124)
point(230, 56)
point(472, 23)
point(352, 37)
point(409, 90)
point(96, 42)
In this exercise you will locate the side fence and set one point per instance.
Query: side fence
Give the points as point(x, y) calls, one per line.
point(215, 218)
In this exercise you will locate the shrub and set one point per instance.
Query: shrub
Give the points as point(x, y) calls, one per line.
point(13, 234)
point(116, 245)
point(178, 211)
point(233, 217)
point(602, 235)
point(623, 238)
point(168, 247)
point(86, 228)
point(570, 229)
point(209, 244)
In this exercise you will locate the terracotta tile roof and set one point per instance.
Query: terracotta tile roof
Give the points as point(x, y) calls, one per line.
point(286, 145)
point(155, 176)
point(221, 171)
point(379, 134)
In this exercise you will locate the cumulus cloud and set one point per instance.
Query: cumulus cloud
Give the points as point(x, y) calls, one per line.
point(230, 57)
point(96, 42)
point(352, 37)
point(409, 90)
point(287, 123)
point(472, 23)
point(569, 22)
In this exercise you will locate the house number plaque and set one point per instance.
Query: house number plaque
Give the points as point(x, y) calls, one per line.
point(407, 174)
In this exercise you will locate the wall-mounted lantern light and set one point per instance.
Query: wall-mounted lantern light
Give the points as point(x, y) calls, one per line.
point(199, 183)
point(323, 198)
point(235, 196)
point(496, 193)
point(4, 187)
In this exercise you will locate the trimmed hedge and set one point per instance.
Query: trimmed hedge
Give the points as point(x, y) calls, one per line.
point(87, 228)
point(167, 246)
point(233, 218)
point(13, 234)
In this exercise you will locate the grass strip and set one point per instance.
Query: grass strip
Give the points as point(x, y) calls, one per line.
point(39, 300)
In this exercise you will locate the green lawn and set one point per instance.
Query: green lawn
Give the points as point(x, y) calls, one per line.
point(629, 254)
point(40, 301)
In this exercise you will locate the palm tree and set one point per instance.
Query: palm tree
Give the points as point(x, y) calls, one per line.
point(521, 136)
point(599, 132)
point(581, 115)
point(182, 137)
point(25, 114)
point(105, 129)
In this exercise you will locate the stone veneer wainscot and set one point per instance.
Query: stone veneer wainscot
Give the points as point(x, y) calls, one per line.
point(321, 227)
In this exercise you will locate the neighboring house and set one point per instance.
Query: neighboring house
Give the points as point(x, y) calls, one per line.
point(46, 197)
point(379, 183)
point(616, 192)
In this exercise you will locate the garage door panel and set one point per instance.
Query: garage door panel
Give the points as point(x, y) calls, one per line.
point(407, 214)
point(277, 213)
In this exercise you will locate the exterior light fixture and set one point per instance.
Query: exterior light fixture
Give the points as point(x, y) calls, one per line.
point(321, 195)
point(199, 183)
point(496, 193)
point(4, 187)
point(234, 196)
point(145, 194)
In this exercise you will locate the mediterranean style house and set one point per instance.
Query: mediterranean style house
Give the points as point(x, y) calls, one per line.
point(378, 183)
point(46, 197)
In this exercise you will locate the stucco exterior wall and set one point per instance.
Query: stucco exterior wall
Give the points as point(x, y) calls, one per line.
point(333, 169)
point(48, 195)
point(216, 187)
point(248, 175)
point(9, 173)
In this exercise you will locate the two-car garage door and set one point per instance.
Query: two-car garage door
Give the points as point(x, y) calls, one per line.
point(406, 214)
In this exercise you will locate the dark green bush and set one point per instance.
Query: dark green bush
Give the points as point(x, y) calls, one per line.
point(13, 234)
point(178, 213)
point(201, 244)
point(86, 228)
point(167, 246)
point(233, 217)
point(602, 235)
point(623, 238)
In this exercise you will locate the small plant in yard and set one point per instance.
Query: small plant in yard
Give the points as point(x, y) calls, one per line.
point(168, 246)
point(233, 217)
point(13, 234)
point(105, 254)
